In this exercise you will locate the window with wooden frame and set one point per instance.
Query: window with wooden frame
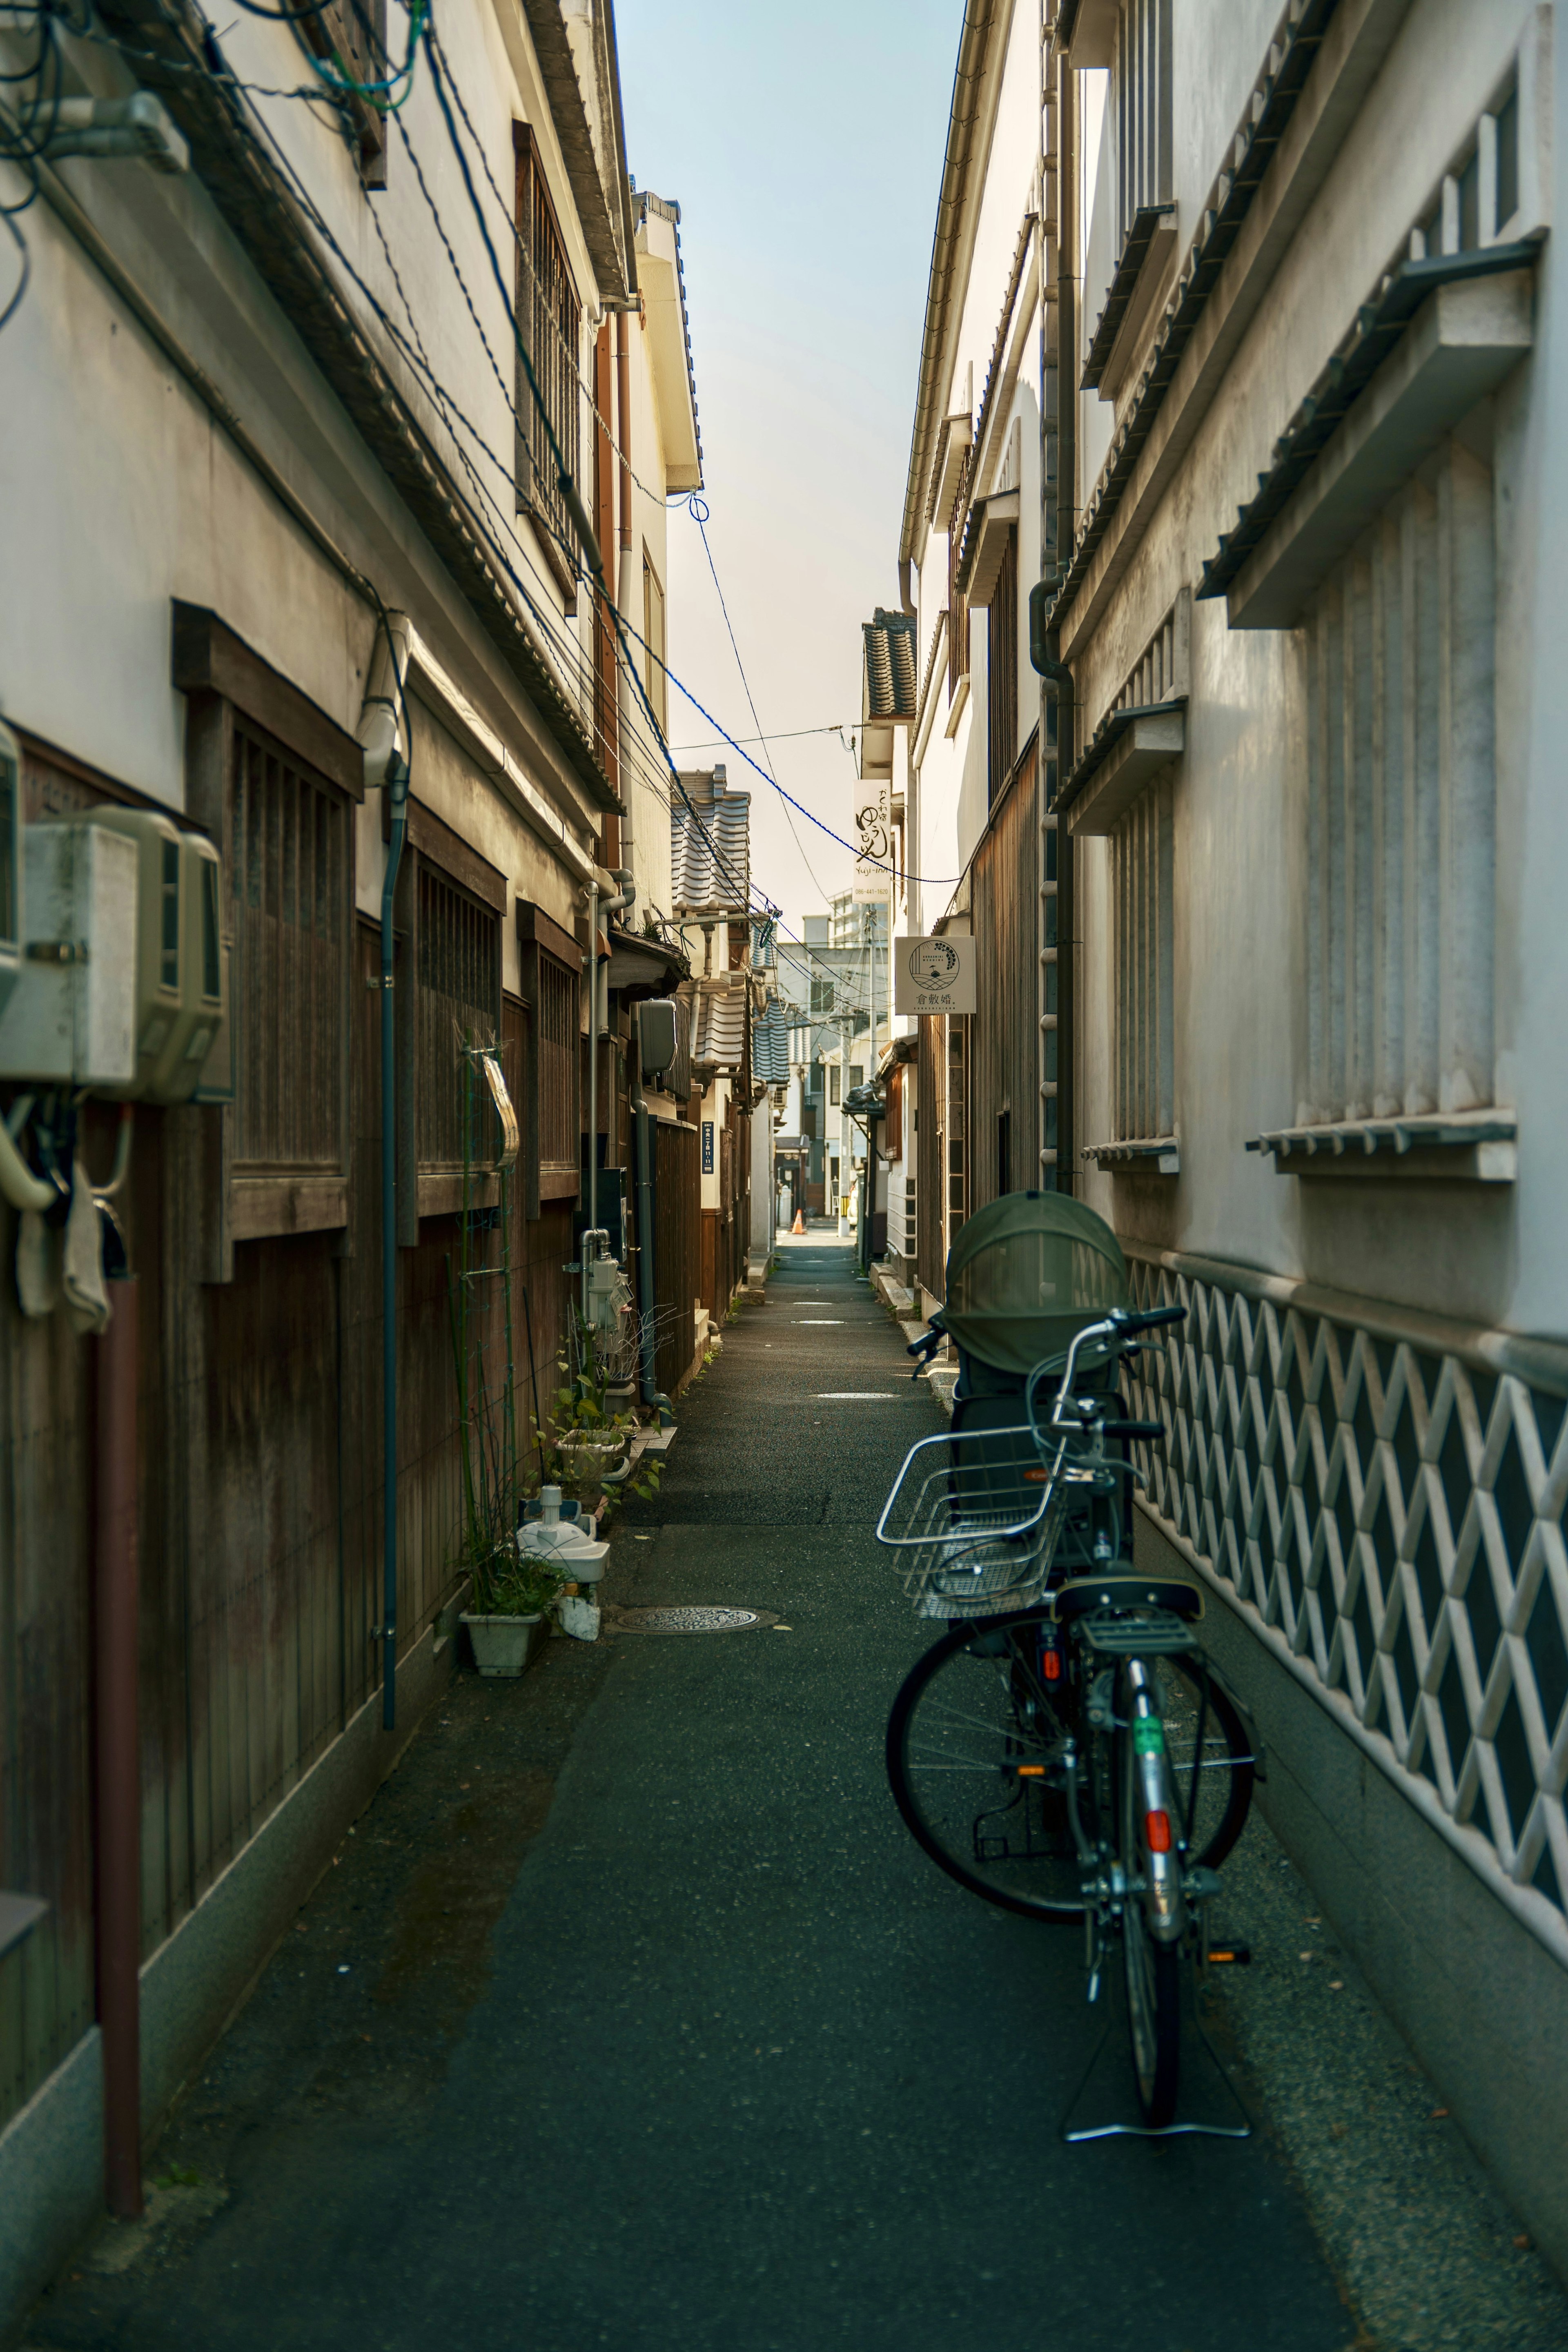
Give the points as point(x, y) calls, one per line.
point(289, 906)
point(957, 601)
point(552, 1117)
point(1002, 671)
point(551, 318)
point(459, 990)
point(451, 906)
point(654, 678)
point(272, 780)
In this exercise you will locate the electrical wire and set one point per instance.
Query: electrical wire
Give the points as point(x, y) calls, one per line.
point(697, 507)
point(449, 409)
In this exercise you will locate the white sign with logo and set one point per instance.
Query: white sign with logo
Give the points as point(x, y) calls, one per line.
point(934, 975)
point(874, 839)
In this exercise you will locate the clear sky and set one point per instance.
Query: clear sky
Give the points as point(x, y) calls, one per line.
point(804, 146)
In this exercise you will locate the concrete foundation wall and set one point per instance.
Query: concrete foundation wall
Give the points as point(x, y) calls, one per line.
point(1483, 2005)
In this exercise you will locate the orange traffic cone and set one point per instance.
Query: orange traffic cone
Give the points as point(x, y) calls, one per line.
point(799, 1224)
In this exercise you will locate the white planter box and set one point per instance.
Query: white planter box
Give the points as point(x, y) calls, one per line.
point(503, 1645)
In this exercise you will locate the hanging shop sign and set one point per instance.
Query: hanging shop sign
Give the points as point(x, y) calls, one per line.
point(874, 841)
point(933, 975)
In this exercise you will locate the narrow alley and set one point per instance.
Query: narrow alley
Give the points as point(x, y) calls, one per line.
point(734, 2066)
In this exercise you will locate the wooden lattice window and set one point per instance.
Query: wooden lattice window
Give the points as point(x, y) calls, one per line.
point(290, 906)
point(551, 1120)
point(459, 991)
point(550, 318)
point(556, 1032)
point(957, 603)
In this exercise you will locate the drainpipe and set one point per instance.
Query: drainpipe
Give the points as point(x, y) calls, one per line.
point(651, 1394)
point(386, 766)
point(118, 1841)
point(593, 1227)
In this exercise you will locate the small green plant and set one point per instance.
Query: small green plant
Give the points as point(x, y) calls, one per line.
point(178, 2176)
point(506, 1585)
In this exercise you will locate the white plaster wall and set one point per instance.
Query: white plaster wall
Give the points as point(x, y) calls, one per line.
point(1491, 1252)
point(950, 798)
point(118, 493)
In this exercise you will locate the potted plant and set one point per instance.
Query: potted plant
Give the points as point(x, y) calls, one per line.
point(511, 1599)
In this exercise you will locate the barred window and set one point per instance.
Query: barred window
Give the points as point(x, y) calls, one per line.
point(1400, 652)
point(459, 990)
point(654, 679)
point(1143, 110)
point(549, 317)
point(557, 1031)
point(290, 895)
point(1142, 863)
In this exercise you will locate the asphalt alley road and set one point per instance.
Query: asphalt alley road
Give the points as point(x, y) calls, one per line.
point(727, 2063)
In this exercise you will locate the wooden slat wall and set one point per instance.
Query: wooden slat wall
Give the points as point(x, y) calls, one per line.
point(929, 1180)
point(677, 1247)
point(261, 1525)
point(1004, 1032)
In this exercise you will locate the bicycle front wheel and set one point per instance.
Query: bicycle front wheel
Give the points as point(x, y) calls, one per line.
point(974, 1764)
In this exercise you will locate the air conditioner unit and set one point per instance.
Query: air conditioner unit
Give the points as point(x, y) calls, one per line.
point(118, 976)
point(69, 1017)
point(182, 976)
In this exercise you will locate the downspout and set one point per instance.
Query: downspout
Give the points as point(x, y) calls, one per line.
point(117, 1845)
point(386, 765)
point(593, 1225)
point(651, 1394)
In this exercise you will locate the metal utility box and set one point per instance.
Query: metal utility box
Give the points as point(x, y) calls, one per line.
point(10, 864)
point(69, 1017)
point(657, 1028)
point(182, 993)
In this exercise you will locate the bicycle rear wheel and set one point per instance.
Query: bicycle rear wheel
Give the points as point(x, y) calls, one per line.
point(974, 1762)
point(1153, 1970)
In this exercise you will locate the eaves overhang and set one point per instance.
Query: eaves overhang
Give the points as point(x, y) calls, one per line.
point(176, 54)
point(983, 21)
point(598, 183)
point(1465, 360)
point(1249, 154)
point(1126, 749)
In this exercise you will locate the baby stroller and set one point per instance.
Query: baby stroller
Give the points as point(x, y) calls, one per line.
point(1025, 1276)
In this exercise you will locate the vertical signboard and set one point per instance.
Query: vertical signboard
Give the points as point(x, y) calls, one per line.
point(874, 841)
point(708, 1147)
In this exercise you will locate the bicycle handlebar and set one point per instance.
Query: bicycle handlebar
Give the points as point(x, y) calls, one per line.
point(1128, 1318)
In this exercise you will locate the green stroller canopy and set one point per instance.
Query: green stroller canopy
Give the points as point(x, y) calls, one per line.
point(1025, 1274)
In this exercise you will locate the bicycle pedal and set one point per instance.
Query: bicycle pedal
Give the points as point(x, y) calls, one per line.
point(1230, 1956)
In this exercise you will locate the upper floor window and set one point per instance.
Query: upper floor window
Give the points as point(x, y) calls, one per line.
point(550, 318)
point(290, 881)
point(654, 677)
point(1400, 657)
point(1143, 103)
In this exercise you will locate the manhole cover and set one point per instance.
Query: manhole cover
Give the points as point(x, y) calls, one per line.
point(689, 1621)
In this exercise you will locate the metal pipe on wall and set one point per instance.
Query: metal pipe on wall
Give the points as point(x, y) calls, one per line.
point(394, 776)
point(117, 1854)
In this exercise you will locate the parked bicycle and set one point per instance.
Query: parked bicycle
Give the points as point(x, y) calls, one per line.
point(1067, 1749)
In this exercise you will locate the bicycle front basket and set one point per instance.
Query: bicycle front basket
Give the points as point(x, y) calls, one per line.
point(976, 1519)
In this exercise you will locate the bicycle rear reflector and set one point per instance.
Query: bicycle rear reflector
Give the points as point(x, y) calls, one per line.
point(1157, 1832)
